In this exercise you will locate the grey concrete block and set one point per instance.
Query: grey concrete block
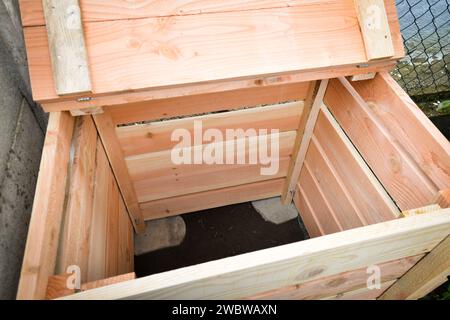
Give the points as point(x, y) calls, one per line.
point(160, 234)
point(16, 198)
point(274, 211)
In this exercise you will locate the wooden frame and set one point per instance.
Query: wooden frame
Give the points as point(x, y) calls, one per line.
point(362, 204)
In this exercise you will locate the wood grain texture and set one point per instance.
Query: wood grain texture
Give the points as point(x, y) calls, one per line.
point(443, 198)
point(266, 89)
point(424, 277)
point(339, 283)
point(291, 264)
point(409, 126)
point(181, 50)
point(362, 293)
point(97, 250)
point(155, 176)
point(337, 189)
point(43, 235)
point(67, 46)
point(403, 178)
point(305, 129)
point(93, 10)
point(211, 199)
point(75, 238)
point(156, 136)
point(107, 133)
point(375, 29)
point(112, 229)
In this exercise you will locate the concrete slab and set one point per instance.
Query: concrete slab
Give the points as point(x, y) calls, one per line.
point(274, 211)
point(160, 234)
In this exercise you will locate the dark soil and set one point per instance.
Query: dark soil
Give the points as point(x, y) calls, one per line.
point(219, 233)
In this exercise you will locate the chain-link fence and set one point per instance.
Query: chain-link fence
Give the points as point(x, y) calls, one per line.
point(424, 72)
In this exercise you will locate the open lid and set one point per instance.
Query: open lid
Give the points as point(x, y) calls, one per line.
point(132, 46)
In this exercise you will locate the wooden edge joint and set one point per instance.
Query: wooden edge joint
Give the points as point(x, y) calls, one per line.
point(87, 111)
point(363, 76)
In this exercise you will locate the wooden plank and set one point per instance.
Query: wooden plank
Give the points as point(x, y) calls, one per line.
point(225, 94)
point(424, 277)
point(67, 46)
point(296, 263)
point(43, 234)
point(97, 251)
point(375, 29)
point(312, 106)
point(409, 126)
point(422, 210)
point(93, 10)
point(211, 199)
point(369, 196)
point(107, 133)
point(156, 136)
point(112, 229)
point(362, 293)
point(57, 285)
point(75, 242)
point(306, 211)
point(155, 176)
point(123, 236)
point(321, 208)
point(333, 187)
point(132, 55)
point(206, 103)
point(403, 179)
point(342, 282)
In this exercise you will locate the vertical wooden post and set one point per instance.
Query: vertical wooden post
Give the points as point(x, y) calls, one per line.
point(304, 133)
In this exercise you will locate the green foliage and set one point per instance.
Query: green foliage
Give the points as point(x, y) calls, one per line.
point(444, 105)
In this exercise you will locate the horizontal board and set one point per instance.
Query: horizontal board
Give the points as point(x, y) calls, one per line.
point(362, 293)
point(158, 164)
point(408, 125)
point(339, 283)
point(249, 274)
point(94, 10)
point(130, 55)
point(403, 179)
point(211, 199)
point(371, 200)
point(156, 136)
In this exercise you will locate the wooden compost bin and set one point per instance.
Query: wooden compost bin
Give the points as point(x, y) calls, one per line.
point(368, 172)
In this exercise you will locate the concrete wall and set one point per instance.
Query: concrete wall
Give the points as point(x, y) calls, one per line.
point(22, 130)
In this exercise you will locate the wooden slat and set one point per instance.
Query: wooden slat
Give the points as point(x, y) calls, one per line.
point(155, 176)
point(93, 10)
point(43, 234)
point(67, 46)
point(339, 283)
point(97, 250)
point(409, 126)
point(211, 199)
point(368, 194)
point(156, 136)
point(375, 29)
point(211, 96)
point(306, 211)
point(362, 293)
point(57, 285)
point(333, 187)
point(251, 273)
point(112, 229)
point(400, 175)
point(124, 250)
point(425, 276)
point(320, 207)
point(108, 136)
point(75, 242)
point(191, 49)
point(305, 130)
point(208, 102)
